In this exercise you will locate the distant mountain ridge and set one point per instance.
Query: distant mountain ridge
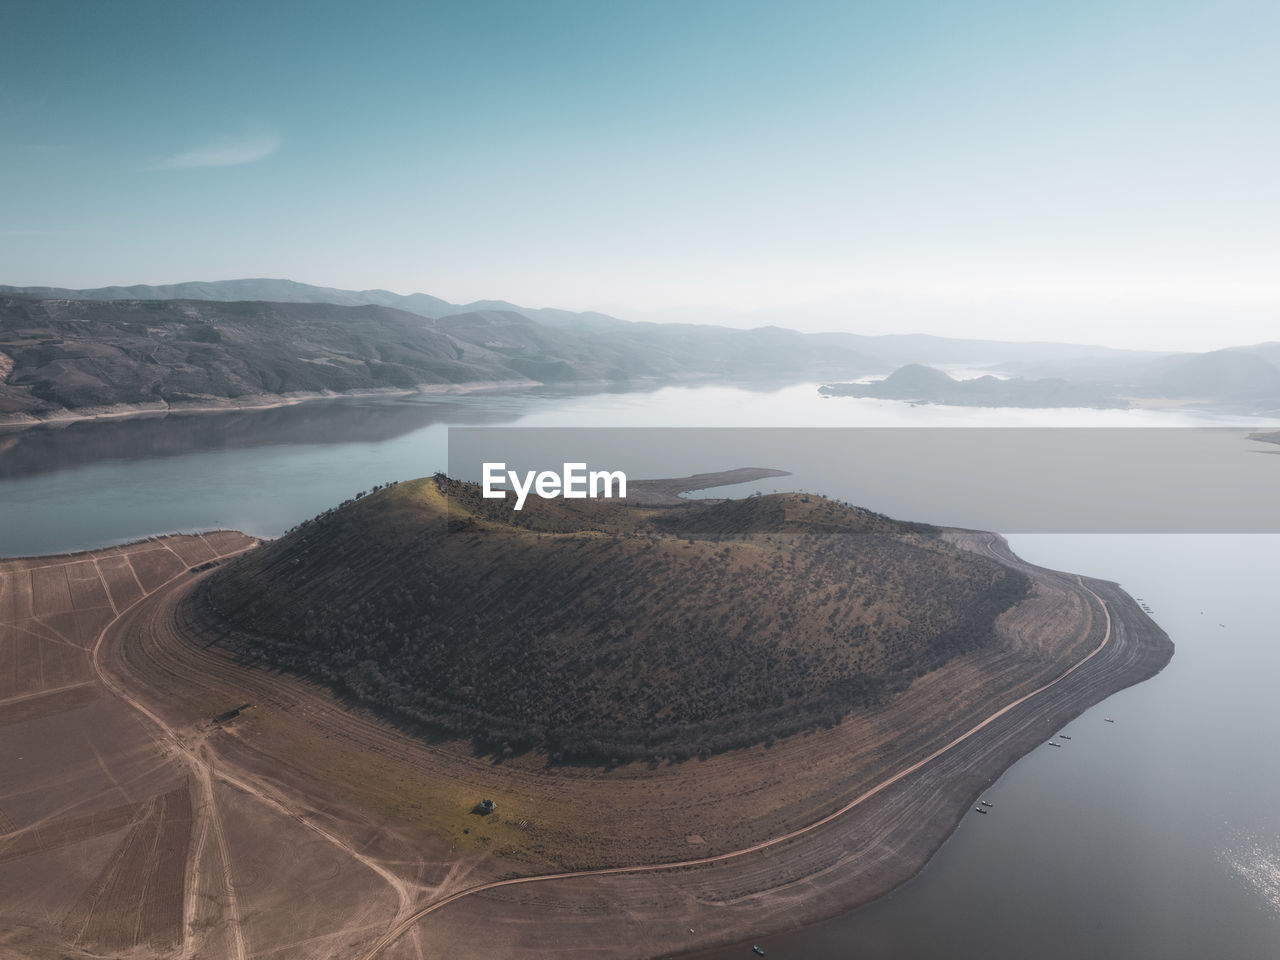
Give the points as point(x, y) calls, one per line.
point(922, 384)
point(65, 351)
point(1238, 375)
point(290, 291)
point(888, 349)
point(61, 357)
point(1236, 380)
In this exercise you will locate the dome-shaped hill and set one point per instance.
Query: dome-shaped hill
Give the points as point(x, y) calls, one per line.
point(916, 378)
point(603, 629)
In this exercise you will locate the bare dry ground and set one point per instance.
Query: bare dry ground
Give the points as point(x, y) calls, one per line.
point(133, 824)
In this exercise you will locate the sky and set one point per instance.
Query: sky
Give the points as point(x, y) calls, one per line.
point(1100, 172)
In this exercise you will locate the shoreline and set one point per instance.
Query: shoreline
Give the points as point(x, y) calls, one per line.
point(1145, 655)
point(941, 789)
point(16, 422)
point(835, 859)
point(409, 922)
point(824, 863)
point(257, 401)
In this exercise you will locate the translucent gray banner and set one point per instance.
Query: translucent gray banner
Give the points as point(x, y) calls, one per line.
point(1042, 480)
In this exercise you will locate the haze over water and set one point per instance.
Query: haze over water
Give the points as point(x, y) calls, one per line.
point(1155, 836)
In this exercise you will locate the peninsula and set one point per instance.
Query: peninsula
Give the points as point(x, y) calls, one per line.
point(680, 715)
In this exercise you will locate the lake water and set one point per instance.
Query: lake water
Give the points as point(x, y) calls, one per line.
point(1155, 836)
point(91, 484)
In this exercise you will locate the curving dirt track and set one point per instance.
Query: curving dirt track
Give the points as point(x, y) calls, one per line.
point(320, 831)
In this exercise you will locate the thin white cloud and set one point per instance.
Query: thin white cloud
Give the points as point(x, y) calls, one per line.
point(223, 153)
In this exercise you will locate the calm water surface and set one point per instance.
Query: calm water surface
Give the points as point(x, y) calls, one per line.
point(88, 485)
point(1155, 836)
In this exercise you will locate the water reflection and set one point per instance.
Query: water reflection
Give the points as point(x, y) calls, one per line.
point(29, 451)
point(50, 447)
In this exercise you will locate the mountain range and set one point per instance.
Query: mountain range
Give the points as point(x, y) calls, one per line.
point(917, 383)
point(67, 352)
point(1241, 380)
point(290, 291)
point(62, 356)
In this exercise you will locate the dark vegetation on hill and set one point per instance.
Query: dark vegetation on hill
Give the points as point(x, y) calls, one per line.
point(75, 354)
point(603, 630)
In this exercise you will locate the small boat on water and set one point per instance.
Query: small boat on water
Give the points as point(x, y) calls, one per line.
point(1108, 719)
point(758, 951)
point(981, 809)
point(986, 803)
point(1054, 743)
point(1063, 736)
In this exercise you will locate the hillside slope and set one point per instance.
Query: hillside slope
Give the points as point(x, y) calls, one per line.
point(603, 629)
point(1224, 375)
point(73, 354)
point(62, 356)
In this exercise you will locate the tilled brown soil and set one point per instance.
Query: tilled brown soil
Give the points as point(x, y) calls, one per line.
point(137, 898)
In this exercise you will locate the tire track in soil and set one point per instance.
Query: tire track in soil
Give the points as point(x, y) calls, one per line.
point(205, 806)
point(199, 761)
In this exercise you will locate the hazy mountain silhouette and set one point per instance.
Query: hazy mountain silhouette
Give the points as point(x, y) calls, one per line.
point(231, 340)
point(922, 384)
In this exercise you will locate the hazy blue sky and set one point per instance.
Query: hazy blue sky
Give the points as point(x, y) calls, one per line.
point(1101, 171)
